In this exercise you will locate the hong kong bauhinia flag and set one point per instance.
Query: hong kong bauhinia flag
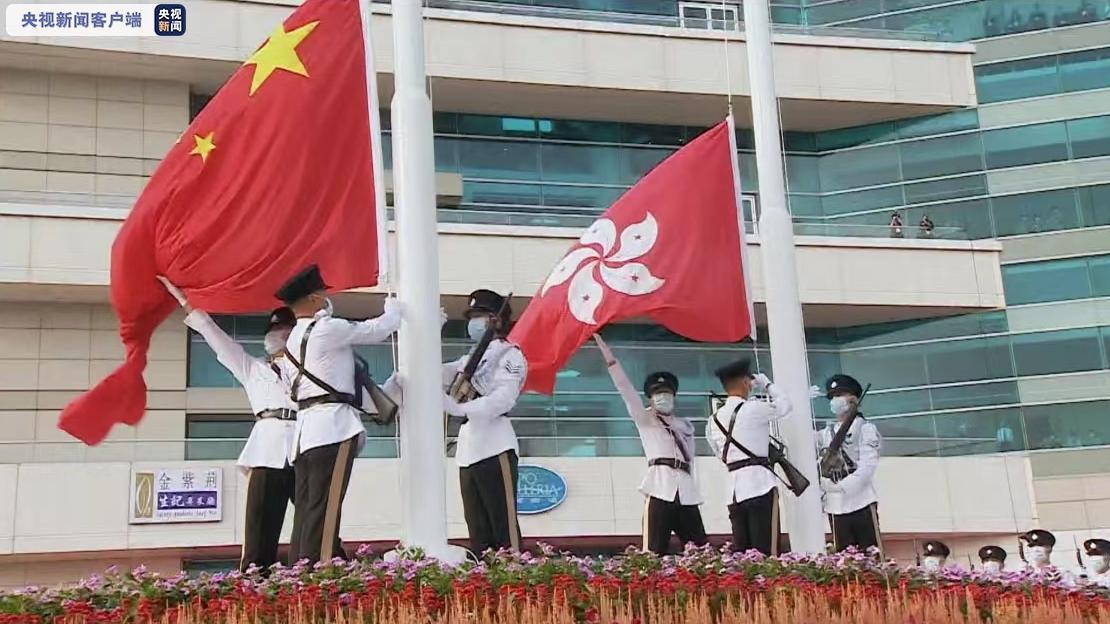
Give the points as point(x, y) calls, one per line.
point(671, 249)
point(277, 172)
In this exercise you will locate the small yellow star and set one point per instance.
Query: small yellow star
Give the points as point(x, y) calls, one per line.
point(204, 146)
point(279, 52)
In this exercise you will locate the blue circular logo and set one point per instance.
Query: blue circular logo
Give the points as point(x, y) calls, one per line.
point(539, 489)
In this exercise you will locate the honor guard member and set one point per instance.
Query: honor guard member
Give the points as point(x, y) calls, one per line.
point(993, 559)
point(487, 448)
point(1038, 549)
point(329, 432)
point(1097, 565)
point(670, 485)
point(851, 501)
point(936, 555)
point(740, 434)
point(265, 457)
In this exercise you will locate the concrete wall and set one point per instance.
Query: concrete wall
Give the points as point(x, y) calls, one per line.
point(49, 353)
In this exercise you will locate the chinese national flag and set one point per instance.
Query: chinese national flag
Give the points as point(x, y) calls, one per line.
point(669, 249)
point(274, 174)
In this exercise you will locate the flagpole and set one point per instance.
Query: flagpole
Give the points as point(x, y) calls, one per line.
point(423, 478)
point(785, 328)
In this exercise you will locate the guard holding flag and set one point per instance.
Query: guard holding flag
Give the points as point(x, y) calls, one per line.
point(740, 435)
point(671, 484)
point(265, 456)
point(487, 451)
point(329, 432)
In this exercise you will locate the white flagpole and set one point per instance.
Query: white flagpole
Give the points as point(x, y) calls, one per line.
point(780, 276)
point(364, 11)
point(746, 266)
point(423, 478)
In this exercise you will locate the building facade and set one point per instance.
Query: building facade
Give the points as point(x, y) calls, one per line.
point(985, 338)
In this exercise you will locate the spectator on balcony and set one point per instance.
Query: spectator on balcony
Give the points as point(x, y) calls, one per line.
point(896, 225)
point(1088, 12)
point(925, 227)
point(1004, 437)
point(1016, 23)
point(992, 23)
point(1038, 19)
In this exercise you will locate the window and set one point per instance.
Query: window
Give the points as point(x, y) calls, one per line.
point(1025, 145)
point(1065, 351)
point(1053, 280)
point(858, 168)
point(1017, 79)
point(1089, 69)
point(1089, 137)
point(942, 156)
point(1094, 202)
point(708, 16)
point(1029, 213)
point(948, 188)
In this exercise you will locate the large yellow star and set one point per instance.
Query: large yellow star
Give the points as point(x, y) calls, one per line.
point(279, 52)
point(204, 146)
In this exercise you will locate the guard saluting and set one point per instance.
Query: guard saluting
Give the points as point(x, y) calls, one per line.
point(739, 430)
point(270, 481)
point(487, 446)
point(849, 495)
point(670, 485)
point(329, 432)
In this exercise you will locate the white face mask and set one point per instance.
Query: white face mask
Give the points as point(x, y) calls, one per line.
point(1038, 555)
point(476, 326)
point(1098, 563)
point(274, 341)
point(932, 564)
point(839, 405)
point(992, 567)
point(663, 402)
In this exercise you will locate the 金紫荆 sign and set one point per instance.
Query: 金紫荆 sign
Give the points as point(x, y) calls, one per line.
point(176, 495)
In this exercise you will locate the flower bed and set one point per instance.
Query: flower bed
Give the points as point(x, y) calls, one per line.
point(700, 586)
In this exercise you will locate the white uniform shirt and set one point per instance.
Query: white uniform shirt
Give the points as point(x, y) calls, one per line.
point(662, 482)
point(271, 438)
point(753, 430)
point(498, 379)
point(330, 357)
point(862, 445)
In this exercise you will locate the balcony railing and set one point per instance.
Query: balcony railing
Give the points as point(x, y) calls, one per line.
point(667, 21)
point(535, 216)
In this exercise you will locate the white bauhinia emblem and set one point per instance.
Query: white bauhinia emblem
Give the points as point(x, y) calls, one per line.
point(615, 266)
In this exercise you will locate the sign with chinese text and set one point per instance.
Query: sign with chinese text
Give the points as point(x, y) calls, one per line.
point(176, 495)
point(95, 20)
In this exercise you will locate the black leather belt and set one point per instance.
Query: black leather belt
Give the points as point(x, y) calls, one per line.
point(342, 397)
point(751, 461)
point(280, 414)
point(677, 464)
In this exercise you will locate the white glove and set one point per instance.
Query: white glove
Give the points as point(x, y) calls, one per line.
point(761, 381)
point(828, 487)
point(815, 391)
point(452, 407)
point(392, 306)
point(442, 318)
point(174, 290)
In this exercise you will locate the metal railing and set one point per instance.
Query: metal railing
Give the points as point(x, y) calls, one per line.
point(227, 449)
point(667, 21)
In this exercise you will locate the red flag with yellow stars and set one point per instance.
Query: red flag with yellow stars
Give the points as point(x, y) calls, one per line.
point(274, 174)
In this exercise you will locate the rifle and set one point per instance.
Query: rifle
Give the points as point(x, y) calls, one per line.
point(461, 388)
point(796, 482)
point(833, 464)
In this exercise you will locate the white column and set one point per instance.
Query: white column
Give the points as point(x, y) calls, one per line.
point(805, 522)
point(423, 478)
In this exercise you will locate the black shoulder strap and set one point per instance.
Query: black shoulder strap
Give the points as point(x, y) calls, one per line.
point(731, 441)
point(302, 371)
point(674, 436)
